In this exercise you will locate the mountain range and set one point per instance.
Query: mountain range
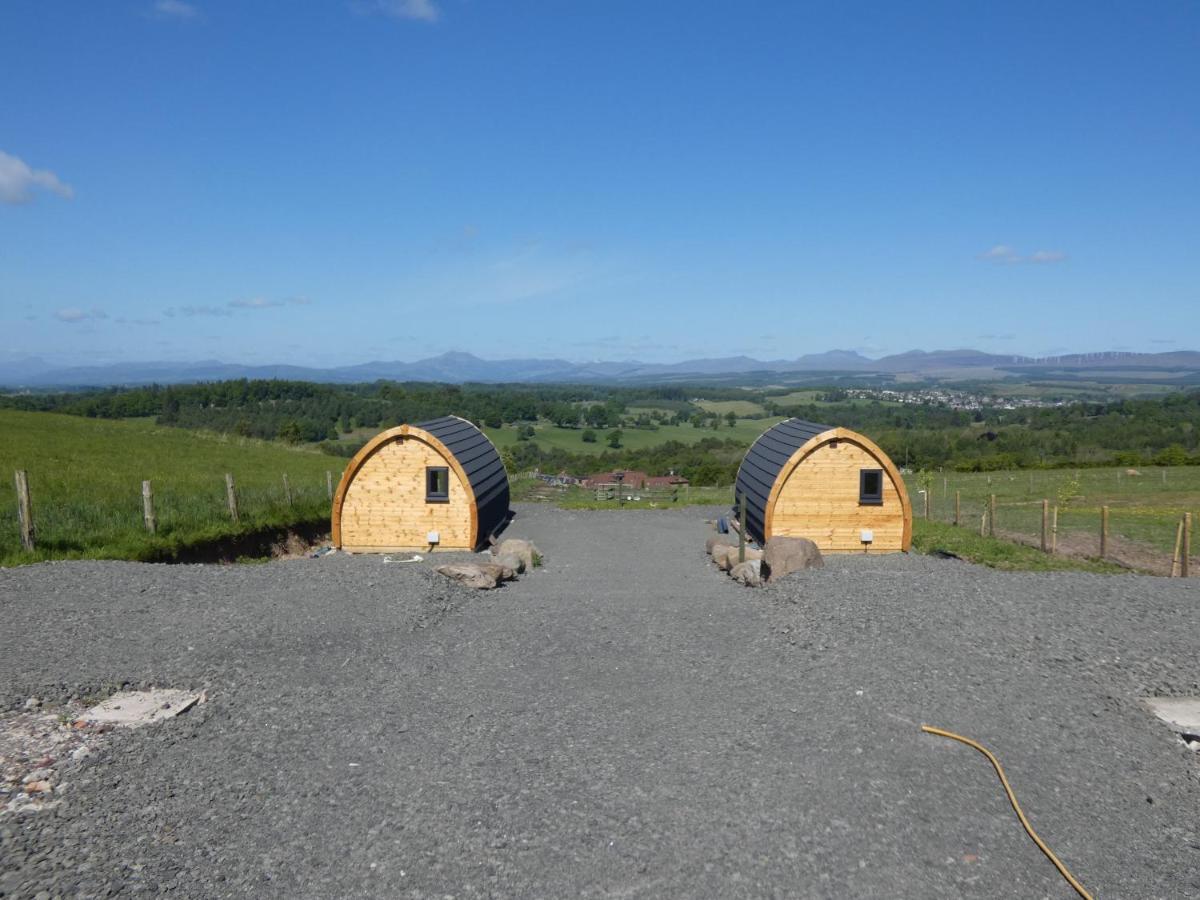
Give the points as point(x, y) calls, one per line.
point(464, 367)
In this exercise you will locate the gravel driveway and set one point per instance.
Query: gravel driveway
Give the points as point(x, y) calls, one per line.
point(624, 722)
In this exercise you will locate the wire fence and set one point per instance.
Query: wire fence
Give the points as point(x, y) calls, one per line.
point(1139, 518)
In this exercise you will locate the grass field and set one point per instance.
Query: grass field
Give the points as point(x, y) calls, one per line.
point(741, 408)
point(571, 439)
point(85, 478)
point(1144, 508)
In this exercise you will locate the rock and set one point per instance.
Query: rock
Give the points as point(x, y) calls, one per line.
point(482, 576)
point(510, 561)
point(726, 557)
point(523, 550)
point(32, 703)
point(718, 540)
point(37, 775)
point(36, 787)
point(80, 753)
point(748, 573)
point(784, 555)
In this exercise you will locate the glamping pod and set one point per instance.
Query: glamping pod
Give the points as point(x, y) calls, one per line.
point(830, 485)
point(439, 484)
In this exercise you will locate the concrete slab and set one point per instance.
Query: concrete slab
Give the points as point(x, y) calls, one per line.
point(133, 709)
point(1181, 713)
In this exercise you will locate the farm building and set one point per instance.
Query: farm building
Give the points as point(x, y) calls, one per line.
point(830, 485)
point(439, 484)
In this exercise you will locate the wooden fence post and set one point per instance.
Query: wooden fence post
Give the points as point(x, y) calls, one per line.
point(1175, 566)
point(983, 524)
point(1103, 532)
point(1054, 531)
point(148, 508)
point(1184, 564)
point(231, 497)
point(287, 490)
point(329, 483)
point(927, 492)
point(992, 515)
point(25, 510)
point(1045, 526)
point(957, 506)
point(742, 529)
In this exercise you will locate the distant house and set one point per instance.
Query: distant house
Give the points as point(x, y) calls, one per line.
point(666, 481)
point(630, 479)
point(562, 479)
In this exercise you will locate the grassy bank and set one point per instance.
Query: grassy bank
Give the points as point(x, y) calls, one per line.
point(937, 537)
point(85, 479)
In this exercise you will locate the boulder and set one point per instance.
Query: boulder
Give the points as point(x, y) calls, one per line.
point(718, 540)
point(482, 576)
point(522, 550)
point(510, 561)
point(726, 557)
point(748, 573)
point(784, 555)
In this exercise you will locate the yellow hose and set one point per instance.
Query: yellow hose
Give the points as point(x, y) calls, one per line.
point(1012, 798)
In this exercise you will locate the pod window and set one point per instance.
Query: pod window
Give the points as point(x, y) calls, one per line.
point(437, 484)
point(870, 487)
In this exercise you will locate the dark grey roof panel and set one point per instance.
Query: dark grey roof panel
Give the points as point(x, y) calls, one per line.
point(482, 465)
point(761, 466)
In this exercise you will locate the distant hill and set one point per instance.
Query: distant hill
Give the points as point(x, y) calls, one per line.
point(1184, 365)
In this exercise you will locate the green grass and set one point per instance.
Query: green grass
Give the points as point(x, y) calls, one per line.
point(85, 479)
point(740, 408)
point(1144, 508)
point(935, 537)
point(571, 439)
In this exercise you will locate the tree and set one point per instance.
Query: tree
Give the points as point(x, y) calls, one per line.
point(614, 438)
point(589, 436)
point(731, 418)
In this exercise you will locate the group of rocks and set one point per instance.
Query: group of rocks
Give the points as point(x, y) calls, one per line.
point(509, 558)
point(752, 567)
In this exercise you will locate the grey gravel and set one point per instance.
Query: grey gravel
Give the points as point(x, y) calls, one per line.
point(624, 721)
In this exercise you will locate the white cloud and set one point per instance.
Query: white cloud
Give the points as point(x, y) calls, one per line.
point(255, 303)
point(1003, 253)
point(191, 311)
point(417, 10)
point(175, 9)
point(74, 314)
point(1000, 253)
point(18, 181)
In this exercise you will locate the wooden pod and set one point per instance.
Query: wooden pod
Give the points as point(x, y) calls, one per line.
point(440, 476)
point(830, 485)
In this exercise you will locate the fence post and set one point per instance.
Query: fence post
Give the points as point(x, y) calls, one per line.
point(1103, 532)
point(329, 483)
point(1054, 531)
point(1184, 565)
point(957, 506)
point(148, 508)
point(1045, 526)
point(983, 523)
point(24, 510)
point(928, 490)
point(992, 515)
point(231, 497)
point(1175, 565)
point(742, 529)
point(287, 490)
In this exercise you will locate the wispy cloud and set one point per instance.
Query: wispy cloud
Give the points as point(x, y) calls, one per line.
point(996, 337)
point(175, 9)
point(18, 181)
point(268, 303)
point(73, 314)
point(1003, 253)
point(415, 10)
point(124, 321)
point(193, 311)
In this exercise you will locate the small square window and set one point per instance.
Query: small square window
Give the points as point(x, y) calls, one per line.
point(870, 487)
point(437, 484)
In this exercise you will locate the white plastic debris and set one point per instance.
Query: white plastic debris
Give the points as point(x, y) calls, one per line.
point(133, 709)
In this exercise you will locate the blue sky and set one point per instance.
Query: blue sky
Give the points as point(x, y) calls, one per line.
point(332, 182)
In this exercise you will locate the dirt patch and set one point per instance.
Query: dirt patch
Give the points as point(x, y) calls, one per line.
point(292, 542)
point(1121, 551)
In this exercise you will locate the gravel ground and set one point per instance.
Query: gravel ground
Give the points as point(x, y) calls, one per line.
point(625, 721)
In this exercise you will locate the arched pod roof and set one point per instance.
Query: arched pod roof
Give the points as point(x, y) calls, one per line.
point(762, 464)
point(481, 464)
